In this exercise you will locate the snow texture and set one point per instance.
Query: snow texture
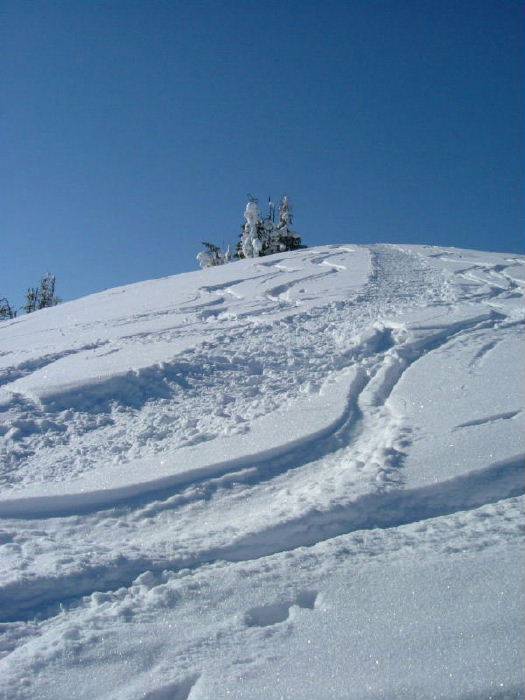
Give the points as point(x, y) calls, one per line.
point(295, 476)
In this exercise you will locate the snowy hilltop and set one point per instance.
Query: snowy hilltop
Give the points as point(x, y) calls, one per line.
point(295, 476)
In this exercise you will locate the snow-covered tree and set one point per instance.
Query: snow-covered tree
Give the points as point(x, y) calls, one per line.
point(285, 212)
point(6, 310)
point(258, 236)
point(228, 255)
point(263, 237)
point(251, 244)
point(46, 293)
point(43, 296)
point(212, 255)
point(288, 238)
point(31, 300)
point(271, 210)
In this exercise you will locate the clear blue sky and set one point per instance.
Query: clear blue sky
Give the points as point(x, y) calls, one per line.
point(131, 131)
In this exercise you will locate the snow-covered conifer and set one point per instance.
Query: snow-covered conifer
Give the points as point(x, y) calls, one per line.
point(251, 245)
point(32, 300)
point(6, 310)
point(264, 237)
point(288, 239)
point(46, 293)
point(285, 212)
point(211, 256)
point(271, 210)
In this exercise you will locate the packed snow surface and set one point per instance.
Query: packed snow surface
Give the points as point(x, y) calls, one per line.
point(298, 476)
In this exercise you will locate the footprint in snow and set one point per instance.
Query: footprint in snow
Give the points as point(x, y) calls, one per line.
point(273, 613)
point(178, 690)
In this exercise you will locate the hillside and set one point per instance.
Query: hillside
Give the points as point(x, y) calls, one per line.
point(297, 476)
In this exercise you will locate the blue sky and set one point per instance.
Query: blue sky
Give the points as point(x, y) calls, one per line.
point(130, 131)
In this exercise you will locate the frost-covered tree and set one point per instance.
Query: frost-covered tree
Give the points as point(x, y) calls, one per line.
point(271, 210)
point(6, 310)
point(263, 236)
point(288, 238)
point(285, 212)
point(259, 236)
point(251, 243)
point(212, 255)
point(228, 255)
point(31, 304)
point(46, 292)
point(42, 296)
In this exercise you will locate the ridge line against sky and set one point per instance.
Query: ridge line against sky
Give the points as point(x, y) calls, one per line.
point(131, 131)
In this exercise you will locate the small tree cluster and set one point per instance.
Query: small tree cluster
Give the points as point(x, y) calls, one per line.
point(212, 255)
point(259, 236)
point(266, 236)
point(36, 298)
point(43, 296)
point(6, 310)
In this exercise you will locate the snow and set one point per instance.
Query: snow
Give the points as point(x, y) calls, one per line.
point(294, 476)
point(278, 433)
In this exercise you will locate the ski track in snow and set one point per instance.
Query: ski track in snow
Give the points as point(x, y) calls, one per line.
point(382, 510)
point(231, 353)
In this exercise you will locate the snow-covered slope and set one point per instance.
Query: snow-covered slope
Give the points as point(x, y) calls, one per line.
point(299, 476)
